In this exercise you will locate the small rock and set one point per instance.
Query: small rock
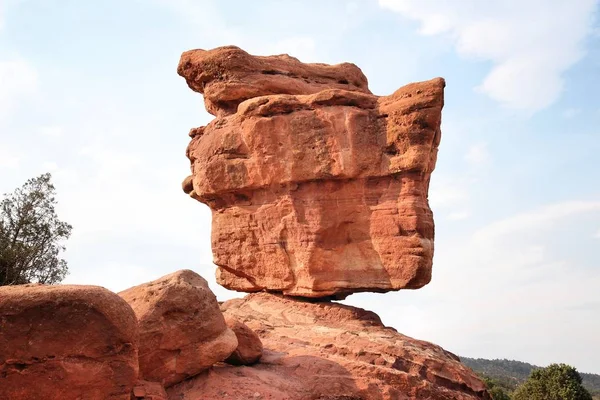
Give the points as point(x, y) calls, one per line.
point(249, 348)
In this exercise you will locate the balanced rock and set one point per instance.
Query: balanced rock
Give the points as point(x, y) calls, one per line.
point(182, 330)
point(331, 351)
point(249, 349)
point(66, 342)
point(317, 187)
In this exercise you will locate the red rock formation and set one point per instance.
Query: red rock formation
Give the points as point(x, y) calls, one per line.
point(318, 188)
point(227, 76)
point(249, 348)
point(331, 351)
point(66, 342)
point(182, 331)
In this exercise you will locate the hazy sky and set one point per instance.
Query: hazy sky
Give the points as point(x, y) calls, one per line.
point(89, 92)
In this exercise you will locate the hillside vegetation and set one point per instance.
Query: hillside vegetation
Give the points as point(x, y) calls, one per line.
point(508, 374)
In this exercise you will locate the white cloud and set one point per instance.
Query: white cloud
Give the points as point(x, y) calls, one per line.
point(530, 43)
point(50, 166)
point(459, 215)
point(352, 7)
point(597, 235)
point(478, 155)
point(8, 158)
point(51, 131)
point(18, 79)
point(446, 194)
point(540, 219)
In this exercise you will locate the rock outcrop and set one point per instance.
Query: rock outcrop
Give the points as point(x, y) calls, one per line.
point(317, 187)
point(331, 351)
point(66, 342)
point(249, 349)
point(182, 330)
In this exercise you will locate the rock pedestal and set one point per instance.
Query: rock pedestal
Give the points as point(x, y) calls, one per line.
point(331, 351)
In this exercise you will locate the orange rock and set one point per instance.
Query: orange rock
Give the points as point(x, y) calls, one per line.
point(228, 75)
point(144, 390)
point(318, 188)
point(182, 330)
point(249, 348)
point(66, 342)
point(331, 351)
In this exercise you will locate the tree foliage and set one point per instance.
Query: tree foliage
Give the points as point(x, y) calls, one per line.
point(555, 382)
point(495, 389)
point(510, 373)
point(31, 235)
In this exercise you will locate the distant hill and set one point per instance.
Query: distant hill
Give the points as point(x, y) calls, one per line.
point(511, 373)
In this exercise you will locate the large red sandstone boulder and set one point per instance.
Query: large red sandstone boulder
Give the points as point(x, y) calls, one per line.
point(66, 342)
point(249, 349)
point(317, 187)
point(331, 351)
point(182, 330)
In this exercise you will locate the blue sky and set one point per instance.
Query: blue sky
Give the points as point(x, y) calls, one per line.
point(89, 92)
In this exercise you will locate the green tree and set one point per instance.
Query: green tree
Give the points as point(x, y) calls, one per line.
point(494, 389)
point(31, 235)
point(555, 382)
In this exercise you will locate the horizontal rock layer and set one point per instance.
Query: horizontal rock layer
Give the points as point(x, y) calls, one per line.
point(318, 188)
point(228, 75)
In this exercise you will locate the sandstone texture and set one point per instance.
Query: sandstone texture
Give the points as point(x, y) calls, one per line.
point(331, 351)
point(182, 330)
point(317, 187)
point(144, 390)
point(249, 349)
point(66, 342)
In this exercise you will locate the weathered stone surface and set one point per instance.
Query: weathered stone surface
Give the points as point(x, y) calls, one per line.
point(182, 330)
point(331, 351)
point(66, 342)
point(318, 188)
point(228, 75)
point(144, 390)
point(249, 348)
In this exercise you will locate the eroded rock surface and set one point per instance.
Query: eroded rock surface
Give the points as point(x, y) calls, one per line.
point(317, 187)
point(249, 348)
point(144, 390)
point(227, 76)
point(182, 330)
point(331, 351)
point(66, 342)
